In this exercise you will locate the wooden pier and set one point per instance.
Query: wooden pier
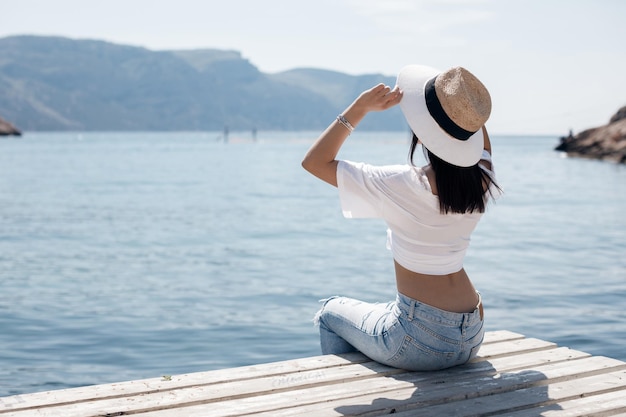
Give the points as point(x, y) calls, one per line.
point(513, 376)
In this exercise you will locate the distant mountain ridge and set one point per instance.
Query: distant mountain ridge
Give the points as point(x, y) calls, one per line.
point(54, 83)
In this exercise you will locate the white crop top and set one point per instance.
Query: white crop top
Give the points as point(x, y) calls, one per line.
point(421, 238)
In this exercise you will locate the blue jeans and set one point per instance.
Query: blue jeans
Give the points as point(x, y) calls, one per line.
point(405, 334)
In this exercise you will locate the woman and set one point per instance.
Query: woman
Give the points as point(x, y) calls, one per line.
point(436, 320)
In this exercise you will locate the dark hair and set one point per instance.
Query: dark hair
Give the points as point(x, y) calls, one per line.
point(460, 189)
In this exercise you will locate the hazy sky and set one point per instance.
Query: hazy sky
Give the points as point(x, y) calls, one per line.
point(550, 65)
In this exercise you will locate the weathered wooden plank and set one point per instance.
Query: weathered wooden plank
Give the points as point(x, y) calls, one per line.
point(508, 364)
point(513, 347)
point(534, 358)
point(497, 394)
point(394, 401)
point(537, 400)
point(398, 391)
point(501, 336)
point(223, 391)
point(154, 385)
point(236, 389)
point(611, 403)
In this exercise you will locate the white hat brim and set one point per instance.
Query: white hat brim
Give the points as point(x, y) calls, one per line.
point(464, 153)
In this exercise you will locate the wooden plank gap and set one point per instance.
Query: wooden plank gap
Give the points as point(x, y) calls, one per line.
point(514, 347)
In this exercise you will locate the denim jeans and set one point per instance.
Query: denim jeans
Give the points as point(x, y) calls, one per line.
point(405, 333)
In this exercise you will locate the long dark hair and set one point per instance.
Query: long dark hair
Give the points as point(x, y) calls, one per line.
point(460, 189)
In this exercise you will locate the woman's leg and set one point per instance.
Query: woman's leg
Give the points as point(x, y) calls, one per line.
point(349, 325)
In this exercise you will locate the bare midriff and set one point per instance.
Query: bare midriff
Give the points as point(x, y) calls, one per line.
point(451, 292)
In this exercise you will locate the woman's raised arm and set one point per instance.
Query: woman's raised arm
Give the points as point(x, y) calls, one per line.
point(320, 159)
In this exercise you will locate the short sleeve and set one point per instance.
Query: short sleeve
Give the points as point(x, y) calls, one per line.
point(495, 192)
point(359, 190)
point(486, 156)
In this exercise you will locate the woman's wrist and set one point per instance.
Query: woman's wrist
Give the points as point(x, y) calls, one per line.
point(352, 115)
point(342, 120)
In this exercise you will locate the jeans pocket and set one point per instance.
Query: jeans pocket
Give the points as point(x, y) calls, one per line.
point(474, 351)
point(414, 355)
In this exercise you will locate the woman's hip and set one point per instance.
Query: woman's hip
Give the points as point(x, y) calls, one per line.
point(405, 333)
point(435, 338)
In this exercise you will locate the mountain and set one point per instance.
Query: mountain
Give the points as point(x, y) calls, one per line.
point(54, 83)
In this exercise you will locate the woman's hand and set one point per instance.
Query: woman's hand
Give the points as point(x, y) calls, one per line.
point(320, 159)
point(378, 98)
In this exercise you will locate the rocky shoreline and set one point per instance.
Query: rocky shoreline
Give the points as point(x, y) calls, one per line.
point(7, 129)
point(606, 142)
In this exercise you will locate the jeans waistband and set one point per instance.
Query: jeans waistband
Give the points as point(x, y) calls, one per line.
point(414, 308)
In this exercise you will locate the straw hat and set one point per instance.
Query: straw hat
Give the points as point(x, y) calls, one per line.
point(446, 111)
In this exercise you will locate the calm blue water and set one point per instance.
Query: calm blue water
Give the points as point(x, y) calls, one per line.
point(136, 255)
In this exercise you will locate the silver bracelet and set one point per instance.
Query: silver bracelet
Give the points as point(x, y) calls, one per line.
point(341, 119)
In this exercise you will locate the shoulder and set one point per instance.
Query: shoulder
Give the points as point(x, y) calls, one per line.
point(374, 171)
point(389, 179)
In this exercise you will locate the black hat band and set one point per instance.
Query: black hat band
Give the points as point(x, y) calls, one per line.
point(438, 113)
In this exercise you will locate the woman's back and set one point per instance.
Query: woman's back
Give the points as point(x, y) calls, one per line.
point(421, 238)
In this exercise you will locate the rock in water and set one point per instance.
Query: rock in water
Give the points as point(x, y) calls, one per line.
point(606, 142)
point(7, 129)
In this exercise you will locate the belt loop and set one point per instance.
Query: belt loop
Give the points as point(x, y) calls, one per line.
point(411, 310)
point(479, 306)
point(480, 300)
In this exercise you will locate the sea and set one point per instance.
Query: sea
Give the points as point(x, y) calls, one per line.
point(136, 255)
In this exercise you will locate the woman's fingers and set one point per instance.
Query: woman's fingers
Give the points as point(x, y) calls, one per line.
point(391, 97)
point(381, 97)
